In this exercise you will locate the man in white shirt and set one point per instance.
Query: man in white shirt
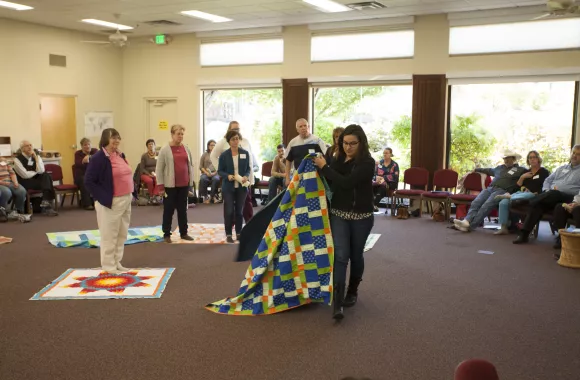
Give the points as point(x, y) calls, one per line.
point(220, 147)
point(29, 169)
point(302, 145)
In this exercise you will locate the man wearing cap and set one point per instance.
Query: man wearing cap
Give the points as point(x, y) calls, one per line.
point(560, 187)
point(505, 180)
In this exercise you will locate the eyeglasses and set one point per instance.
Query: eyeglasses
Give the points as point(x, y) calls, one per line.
point(351, 144)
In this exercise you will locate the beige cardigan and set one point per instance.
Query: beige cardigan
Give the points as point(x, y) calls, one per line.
point(165, 169)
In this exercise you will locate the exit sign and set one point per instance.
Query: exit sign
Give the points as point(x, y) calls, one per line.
point(160, 39)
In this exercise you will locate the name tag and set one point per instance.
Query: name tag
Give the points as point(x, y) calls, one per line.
point(536, 176)
point(511, 172)
point(29, 161)
point(243, 156)
point(310, 151)
point(565, 171)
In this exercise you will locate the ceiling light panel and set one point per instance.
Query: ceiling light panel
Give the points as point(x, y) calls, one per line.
point(206, 16)
point(14, 6)
point(107, 24)
point(328, 5)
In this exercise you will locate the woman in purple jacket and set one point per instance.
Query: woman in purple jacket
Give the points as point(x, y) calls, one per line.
point(109, 179)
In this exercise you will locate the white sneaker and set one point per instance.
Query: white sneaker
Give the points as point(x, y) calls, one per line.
point(113, 271)
point(122, 268)
point(24, 218)
point(13, 215)
point(463, 229)
point(461, 223)
point(502, 231)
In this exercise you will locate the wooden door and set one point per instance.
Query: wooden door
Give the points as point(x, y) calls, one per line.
point(161, 115)
point(59, 131)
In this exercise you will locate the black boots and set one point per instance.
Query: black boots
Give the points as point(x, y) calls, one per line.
point(352, 292)
point(522, 238)
point(338, 296)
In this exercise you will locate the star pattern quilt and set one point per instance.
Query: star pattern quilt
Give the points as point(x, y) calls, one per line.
point(294, 261)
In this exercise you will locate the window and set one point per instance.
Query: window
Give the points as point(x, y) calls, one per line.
point(488, 118)
point(242, 52)
point(521, 36)
point(384, 112)
point(259, 112)
point(400, 44)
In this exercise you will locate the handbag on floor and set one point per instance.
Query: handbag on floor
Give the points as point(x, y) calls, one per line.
point(402, 212)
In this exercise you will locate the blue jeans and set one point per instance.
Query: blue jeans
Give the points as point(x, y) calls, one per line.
point(233, 208)
point(504, 205)
point(204, 182)
point(349, 238)
point(273, 184)
point(482, 206)
point(18, 195)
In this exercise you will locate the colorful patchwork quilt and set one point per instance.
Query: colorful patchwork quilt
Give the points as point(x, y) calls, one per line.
point(294, 261)
point(92, 239)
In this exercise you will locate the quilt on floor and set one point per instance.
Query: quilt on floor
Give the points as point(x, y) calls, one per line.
point(293, 263)
point(92, 239)
point(96, 284)
point(202, 233)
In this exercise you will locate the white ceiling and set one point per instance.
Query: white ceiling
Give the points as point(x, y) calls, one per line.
point(245, 13)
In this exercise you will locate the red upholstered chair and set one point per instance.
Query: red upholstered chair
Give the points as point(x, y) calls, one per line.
point(55, 172)
point(418, 177)
point(444, 184)
point(264, 184)
point(471, 185)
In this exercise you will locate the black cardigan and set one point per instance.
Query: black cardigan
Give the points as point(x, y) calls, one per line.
point(351, 184)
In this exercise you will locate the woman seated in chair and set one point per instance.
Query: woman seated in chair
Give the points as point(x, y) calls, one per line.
point(386, 177)
point(209, 176)
point(148, 176)
point(82, 158)
point(530, 184)
point(11, 189)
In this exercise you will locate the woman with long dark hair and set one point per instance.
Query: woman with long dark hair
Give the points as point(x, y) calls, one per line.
point(351, 211)
point(332, 152)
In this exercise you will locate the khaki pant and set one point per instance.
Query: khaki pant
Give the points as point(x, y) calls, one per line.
point(113, 224)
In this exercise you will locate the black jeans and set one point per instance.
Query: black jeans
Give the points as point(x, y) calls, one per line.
point(176, 199)
point(234, 201)
point(42, 182)
point(350, 237)
point(86, 199)
point(561, 217)
point(543, 202)
point(381, 191)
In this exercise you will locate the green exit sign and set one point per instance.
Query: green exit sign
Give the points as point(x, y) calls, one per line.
point(160, 39)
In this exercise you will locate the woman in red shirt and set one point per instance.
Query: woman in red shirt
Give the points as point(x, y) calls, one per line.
point(174, 178)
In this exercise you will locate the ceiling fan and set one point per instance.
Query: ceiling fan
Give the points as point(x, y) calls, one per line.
point(116, 39)
point(561, 8)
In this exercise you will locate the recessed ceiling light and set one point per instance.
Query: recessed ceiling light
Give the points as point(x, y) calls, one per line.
point(206, 16)
point(328, 5)
point(107, 24)
point(16, 7)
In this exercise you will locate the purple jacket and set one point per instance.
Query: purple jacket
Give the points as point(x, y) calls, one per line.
point(99, 178)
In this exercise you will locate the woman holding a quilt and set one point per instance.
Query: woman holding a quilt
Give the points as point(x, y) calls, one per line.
point(350, 177)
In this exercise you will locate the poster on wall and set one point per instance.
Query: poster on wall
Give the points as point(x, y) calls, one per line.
point(96, 122)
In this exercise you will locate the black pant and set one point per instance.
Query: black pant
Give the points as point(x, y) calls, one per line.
point(42, 182)
point(540, 204)
point(86, 199)
point(234, 201)
point(561, 216)
point(176, 199)
point(381, 191)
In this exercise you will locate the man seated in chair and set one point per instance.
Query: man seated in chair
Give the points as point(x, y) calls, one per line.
point(505, 180)
point(559, 188)
point(276, 181)
point(29, 169)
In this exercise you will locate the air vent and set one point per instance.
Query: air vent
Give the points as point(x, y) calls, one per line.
point(162, 22)
point(57, 60)
point(366, 5)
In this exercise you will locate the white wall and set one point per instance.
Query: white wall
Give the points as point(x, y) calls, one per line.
point(120, 80)
point(93, 75)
